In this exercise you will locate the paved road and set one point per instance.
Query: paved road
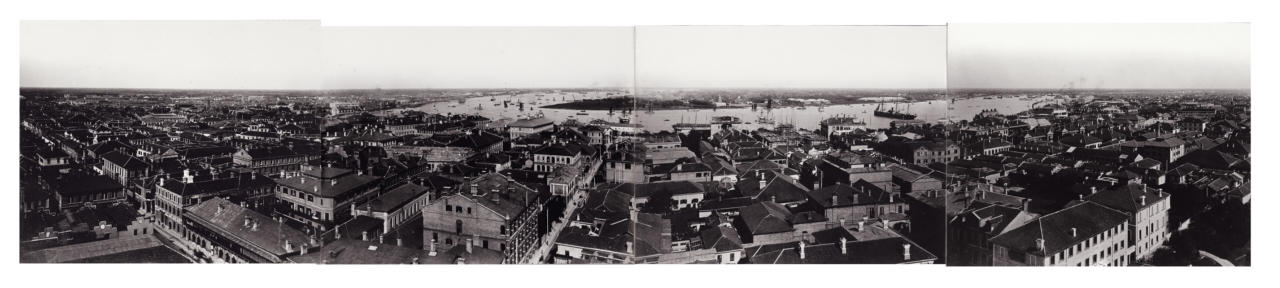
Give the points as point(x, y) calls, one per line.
point(550, 239)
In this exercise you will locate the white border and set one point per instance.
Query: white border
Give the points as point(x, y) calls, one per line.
point(604, 13)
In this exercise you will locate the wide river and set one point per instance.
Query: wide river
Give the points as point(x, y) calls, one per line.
point(657, 120)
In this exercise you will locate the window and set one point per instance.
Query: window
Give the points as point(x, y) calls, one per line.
point(448, 208)
point(502, 229)
point(435, 237)
point(448, 241)
point(485, 244)
point(468, 210)
point(458, 227)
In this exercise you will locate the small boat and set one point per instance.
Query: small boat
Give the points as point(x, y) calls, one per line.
point(583, 113)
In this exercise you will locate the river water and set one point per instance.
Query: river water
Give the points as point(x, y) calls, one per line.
point(657, 120)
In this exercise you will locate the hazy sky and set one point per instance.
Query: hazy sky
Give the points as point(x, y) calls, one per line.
point(383, 57)
point(791, 56)
point(1146, 56)
point(170, 54)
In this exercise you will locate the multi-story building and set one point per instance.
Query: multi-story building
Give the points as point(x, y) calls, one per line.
point(397, 206)
point(220, 231)
point(270, 161)
point(323, 196)
point(529, 126)
point(174, 195)
point(844, 203)
point(492, 211)
point(1083, 234)
point(1148, 210)
point(547, 158)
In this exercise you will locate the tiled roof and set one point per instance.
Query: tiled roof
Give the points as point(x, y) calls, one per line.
point(1088, 218)
point(227, 219)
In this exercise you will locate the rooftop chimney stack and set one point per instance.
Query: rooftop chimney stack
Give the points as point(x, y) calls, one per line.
point(1073, 232)
point(288, 246)
point(1093, 190)
point(802, 249)
point(835, 199)
point(763, 183)
point(364, 236)
point(1143, 198)
point(844, 246)
point(1040, 244)
point(906, 251)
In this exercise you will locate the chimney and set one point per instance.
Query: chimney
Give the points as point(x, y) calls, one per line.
point(630, 247)
point(1040, 244)
point(844, 246)
point(220, 208)
point(399, 241)
point(773, 198)
point(762, 184)
point(469, 246)
point(1073, 232)
point(891, 197)
point(1026, 204)
point(304, 249)
point(1144, 200)
point(906, 251)
point(333, 182)
point(885, 223)
point(802, 249)
point(862, 225)
point(288, 246)
point(432, 249)
point(1093, 190)
point(415, 261)
point(835, 199)
point(255, 226)
point(475, 189)
point(364, 236)
point(247, 221)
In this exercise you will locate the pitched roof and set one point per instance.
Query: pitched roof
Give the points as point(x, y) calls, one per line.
point(1088, 218)
point(721, 238)
point(766, 218)
point(227, 219)
point(1129, 198)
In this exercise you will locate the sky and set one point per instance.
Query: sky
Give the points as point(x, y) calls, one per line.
point(477, 57)
point(170, 54)
point(1108, 56)
point(887, 57)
